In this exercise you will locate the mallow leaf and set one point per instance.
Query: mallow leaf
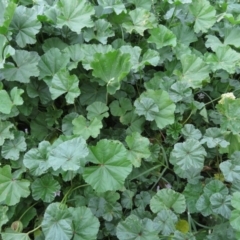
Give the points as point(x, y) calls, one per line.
point(162, 37)
point(204, 14)
point(116, 5)
point(62, 83)
point(189, 131)
point(232, 37)
point(26, 25)
point(5, 133)
point(138, 148)
point(57, 222)
point(12, 189)
point(111, 68)
point(97, 110)
point(36, 159)
point(69, 155)
point(25, 66)
point(189, 154)
point(150, 100)
point(45, 188)
point(120, 107)
point(15, 235)
point(85, 224)
point(231, 168)
point(168, 199)
point(140, 20)
point(75, 14)
point(85, 128)
point(111, 166)
point(135, 228)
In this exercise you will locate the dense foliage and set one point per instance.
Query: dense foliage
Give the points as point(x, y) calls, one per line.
point(120, 119)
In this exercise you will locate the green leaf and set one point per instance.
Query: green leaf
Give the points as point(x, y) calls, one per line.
point(221, 204)
point(168, 199)
point(120, 107)
point(52, 61)
point(45, 188)
point(231, 168)
point(225, 58)
point(204, 15)
point(140, 20)
point(135, 228)
point(85, 128)
point(166, 107)
point(12, 189)
point(138, 148)
point(150, 57)
point(230, 118)
point(235, 219)
point(203, 205)
point(36, 159)
point(232, 37)
point(215, 186)
point(182, 236)
point(15, 235)
point(5, 49)
point(69, 155)
point(26, 66)
point(85, 224)
point(57, 222)
point(116, 5)
point(189, 131)
point(127, 199)
point(180, 91)
point(146, 107)
point(75, 14)
point(101, 32)
point(166, 220)
point(162, 37)
point(235, 201)
point(194, 71)
point(5, 102)
point(26, 25)
point(5, 133)
point(111, 67)
point(97, 110)
point(12, 147)
point(3, 216)
point(62, 83)
point(112, 166)
point(214, 137)
point(189, 154)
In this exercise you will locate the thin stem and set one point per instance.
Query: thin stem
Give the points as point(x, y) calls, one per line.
point(164, 170)
point(34, 229)
point(27, 210)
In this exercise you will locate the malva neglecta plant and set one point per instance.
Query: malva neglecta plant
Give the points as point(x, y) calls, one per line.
point(120, 119)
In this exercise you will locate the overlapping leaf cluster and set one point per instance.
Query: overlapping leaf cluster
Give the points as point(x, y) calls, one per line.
point(119, 119)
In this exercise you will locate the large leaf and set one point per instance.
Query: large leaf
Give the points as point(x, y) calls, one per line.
point(45, 188)
point(168, 199)
point(135, 228)
point(76, 14)
point(159, 99)
point(26, 66)
point(111, 67)
point(116, 5)
point(138, 148)
point(62, 83)
point(112, 166)
point(15, 235)
point(85, 224)
point(69, 155)
point(5, 133)
point(189, 154)
point(57, 222)
point(36, 159)
point(26, 25)
point(204, 15)
point(12, 189)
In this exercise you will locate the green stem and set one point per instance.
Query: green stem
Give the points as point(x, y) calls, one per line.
point(34, 229)
point(164, 170)
point(27, 210)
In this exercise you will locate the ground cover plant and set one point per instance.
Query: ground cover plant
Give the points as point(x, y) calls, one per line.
point(119, 119)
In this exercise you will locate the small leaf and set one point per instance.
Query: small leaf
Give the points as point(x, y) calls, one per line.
point(189, 131)
point(5, 133)
point(112, 166)
point(12, 189)
point(162, 37)
point(235, 201)
point(116, 5)
point(45, 188)
point(120, 107)
point(138, 148)
point(97, 110)
point(57, 222)
point(135, 228)
point(62, 83)
point(85, 128)
point(168, 199)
